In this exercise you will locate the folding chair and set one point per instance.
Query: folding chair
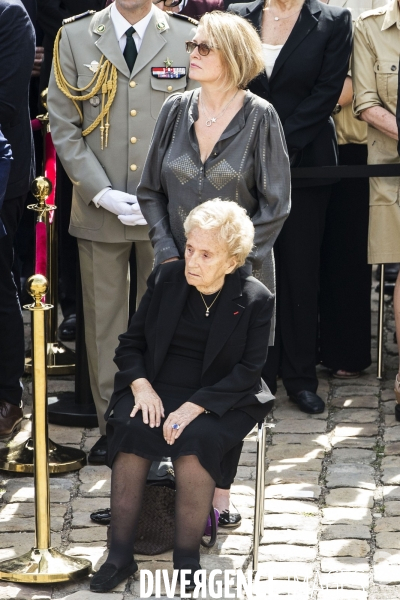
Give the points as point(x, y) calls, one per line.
point(258, 530)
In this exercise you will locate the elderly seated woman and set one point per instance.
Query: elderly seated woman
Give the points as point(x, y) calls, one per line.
point(189, 383)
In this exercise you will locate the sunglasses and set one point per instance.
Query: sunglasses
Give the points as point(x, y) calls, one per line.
point(168, 3)
point(203, 48)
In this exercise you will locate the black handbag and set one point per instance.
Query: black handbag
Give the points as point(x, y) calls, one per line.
point(156, 526)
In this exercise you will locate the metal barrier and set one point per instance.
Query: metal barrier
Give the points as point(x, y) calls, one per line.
point(352, 172)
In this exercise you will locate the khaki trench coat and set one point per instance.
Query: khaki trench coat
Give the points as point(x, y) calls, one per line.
point(375, 69)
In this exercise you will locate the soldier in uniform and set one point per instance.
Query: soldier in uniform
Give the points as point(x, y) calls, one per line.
point(375, 69)
point(112, 72)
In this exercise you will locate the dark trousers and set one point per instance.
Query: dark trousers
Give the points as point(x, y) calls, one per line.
point(297, 256)
point(345, 300)
point(12, 351)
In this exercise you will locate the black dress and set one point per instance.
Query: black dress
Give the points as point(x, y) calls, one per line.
point(209, 437)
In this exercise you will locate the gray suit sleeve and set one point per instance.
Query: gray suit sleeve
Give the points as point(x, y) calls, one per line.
point(79, 162)
point(272, 174)
point(150, 193)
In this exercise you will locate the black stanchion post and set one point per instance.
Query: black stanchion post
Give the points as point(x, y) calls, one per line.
point(77, 408)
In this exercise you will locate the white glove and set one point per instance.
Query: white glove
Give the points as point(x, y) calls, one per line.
point(136, 218)
point(119, 203)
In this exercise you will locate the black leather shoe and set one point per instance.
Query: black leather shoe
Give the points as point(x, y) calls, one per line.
point(98, 454)
point(108, 576)
point(308, 402)
point(10, 419)
point(101, 516)
point(189, 577)
point(397, 412)
point(229, 519)
point(67, 329)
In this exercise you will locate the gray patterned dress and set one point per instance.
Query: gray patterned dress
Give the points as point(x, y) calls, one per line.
point(249, 164)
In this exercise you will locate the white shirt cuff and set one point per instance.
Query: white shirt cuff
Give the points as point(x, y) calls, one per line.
point(97, 197)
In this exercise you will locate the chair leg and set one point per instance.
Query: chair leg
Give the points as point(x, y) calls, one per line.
point(258, 529)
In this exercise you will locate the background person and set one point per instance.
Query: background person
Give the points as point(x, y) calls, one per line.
point(306, 49)
point(105, 178)
point(17, 53)
point(345, 297)
point(223, 139)
point(192, 359)
point(375, 68)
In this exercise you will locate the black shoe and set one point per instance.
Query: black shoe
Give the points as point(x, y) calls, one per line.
point(308, 402)
point(189, 587)
point(98, 454)
point(67, 329)
point(108, 576)
point(229, 519)
point(397, 412)
point(102, 516)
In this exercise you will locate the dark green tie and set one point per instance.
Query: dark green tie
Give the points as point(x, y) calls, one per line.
point(130, 52)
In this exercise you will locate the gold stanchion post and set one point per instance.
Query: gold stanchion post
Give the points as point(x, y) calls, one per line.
point(60, 359)
point(42, 564)
point(61, 458)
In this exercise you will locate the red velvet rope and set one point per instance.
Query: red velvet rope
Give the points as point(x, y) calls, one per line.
point(36, 125)
point(41, 248)
point(40, 229)
point(50, 171)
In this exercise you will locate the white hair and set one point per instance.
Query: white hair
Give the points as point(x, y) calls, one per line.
point(234, 226)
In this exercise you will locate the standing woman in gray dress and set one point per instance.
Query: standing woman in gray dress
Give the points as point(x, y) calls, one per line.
point(218, 139)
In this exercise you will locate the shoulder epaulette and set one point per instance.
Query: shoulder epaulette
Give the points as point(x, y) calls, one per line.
point(373, 12)
point(77, 17)
point(179, 16)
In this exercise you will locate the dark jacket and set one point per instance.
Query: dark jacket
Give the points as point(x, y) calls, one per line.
point(17, 52)
point(307, 80)
point(197, 8)
point(236, 349)
point(5, 165)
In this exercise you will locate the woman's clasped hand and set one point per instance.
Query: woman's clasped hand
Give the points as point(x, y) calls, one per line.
point(149, 402)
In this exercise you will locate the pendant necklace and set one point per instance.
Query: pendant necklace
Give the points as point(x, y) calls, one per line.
point(211, 119)
point(208, 307)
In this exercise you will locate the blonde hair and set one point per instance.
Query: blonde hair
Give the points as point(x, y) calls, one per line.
point(239, 44)
point(234, 227)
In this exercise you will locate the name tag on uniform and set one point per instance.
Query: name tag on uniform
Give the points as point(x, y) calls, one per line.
point(168, 72)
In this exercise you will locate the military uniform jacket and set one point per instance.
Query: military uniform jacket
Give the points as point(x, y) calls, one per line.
point(375, 68)
point(139, 98)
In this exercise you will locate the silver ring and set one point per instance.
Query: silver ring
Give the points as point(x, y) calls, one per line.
point(175, 426)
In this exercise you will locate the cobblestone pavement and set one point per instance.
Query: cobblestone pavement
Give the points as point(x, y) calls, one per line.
point(332, 508)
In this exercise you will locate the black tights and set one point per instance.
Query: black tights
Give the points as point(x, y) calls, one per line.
point(194, 494)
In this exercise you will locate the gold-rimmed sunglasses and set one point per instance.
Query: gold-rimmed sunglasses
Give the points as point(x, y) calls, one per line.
point(203, 48)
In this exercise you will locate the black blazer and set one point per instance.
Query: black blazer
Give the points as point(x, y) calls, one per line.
point(236, 349)
point(307, 80)
point(17, 52)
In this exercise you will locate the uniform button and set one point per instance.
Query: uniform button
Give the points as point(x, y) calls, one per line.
point(133, 167)
point(132, 84)
point(133, 113)
point(133, 140)
point(170, 88)
point(393, 67)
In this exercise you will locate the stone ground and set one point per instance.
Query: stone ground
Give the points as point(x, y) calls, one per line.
point(332, 499)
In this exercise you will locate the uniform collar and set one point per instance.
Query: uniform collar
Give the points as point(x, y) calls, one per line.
point(121, 24)
point(392, 16)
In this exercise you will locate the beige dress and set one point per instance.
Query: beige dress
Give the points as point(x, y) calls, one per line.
point(375, 67)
